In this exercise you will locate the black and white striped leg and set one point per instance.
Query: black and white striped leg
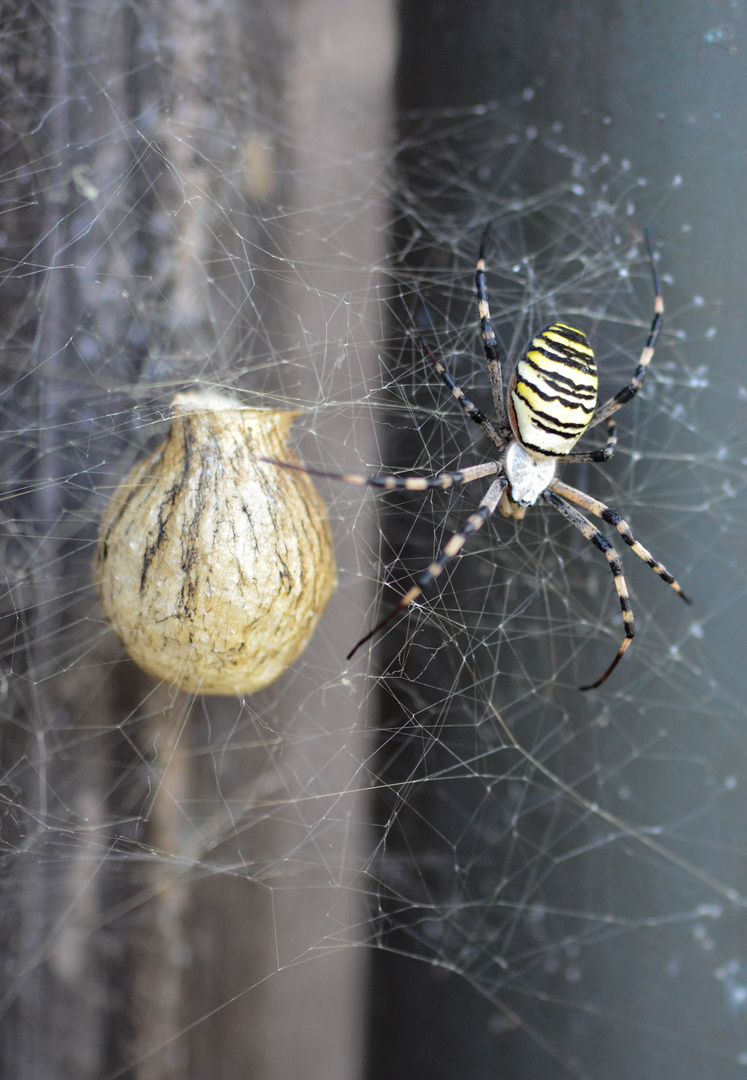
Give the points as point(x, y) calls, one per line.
point(452, 548)
point(628, 392)
point(597, 455)
point(600, 510)
point(489, 343)
point(400, 483)
point(594, 536)
point(469, 407)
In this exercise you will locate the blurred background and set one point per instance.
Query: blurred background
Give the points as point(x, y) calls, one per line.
point(438, 859)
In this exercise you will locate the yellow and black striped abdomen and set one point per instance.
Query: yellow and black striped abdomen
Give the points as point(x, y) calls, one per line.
point(553, 391)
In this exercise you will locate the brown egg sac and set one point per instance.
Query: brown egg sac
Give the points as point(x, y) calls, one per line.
point(212, 566)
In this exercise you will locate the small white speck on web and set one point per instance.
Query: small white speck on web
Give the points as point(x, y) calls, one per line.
point(719, 35)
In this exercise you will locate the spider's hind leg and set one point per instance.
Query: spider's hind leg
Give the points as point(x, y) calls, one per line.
point(472, 411)
point(596, 455)
point(489, 343)
point(623, 396)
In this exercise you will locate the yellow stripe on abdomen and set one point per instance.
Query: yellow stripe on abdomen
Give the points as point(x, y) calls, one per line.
point(554, 391)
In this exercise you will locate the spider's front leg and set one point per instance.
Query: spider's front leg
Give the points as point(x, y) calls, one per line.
point(422, 483)
point(487, 506)
point(399, 483)
point(601, 510)
point(594, 536)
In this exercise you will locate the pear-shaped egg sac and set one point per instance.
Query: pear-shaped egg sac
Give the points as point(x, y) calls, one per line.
point(214, 567)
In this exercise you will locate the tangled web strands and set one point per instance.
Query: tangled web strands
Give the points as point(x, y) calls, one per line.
point(510, 830)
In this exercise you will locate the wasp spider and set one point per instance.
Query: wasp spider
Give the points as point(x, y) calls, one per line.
point(551, 403)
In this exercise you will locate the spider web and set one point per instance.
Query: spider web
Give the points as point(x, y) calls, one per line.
point(449, 796)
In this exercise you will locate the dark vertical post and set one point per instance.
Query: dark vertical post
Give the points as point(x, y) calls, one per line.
point(663, 88)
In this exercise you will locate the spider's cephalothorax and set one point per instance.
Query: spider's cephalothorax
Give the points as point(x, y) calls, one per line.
point(552, 401)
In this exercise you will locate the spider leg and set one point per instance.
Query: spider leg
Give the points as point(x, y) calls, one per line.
point(469, 407)
point(407, 483)
point(624, 395)
point(454, 545)
point(594, 536)
point(597, 455)
point(489, 343)
point(600, 510)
